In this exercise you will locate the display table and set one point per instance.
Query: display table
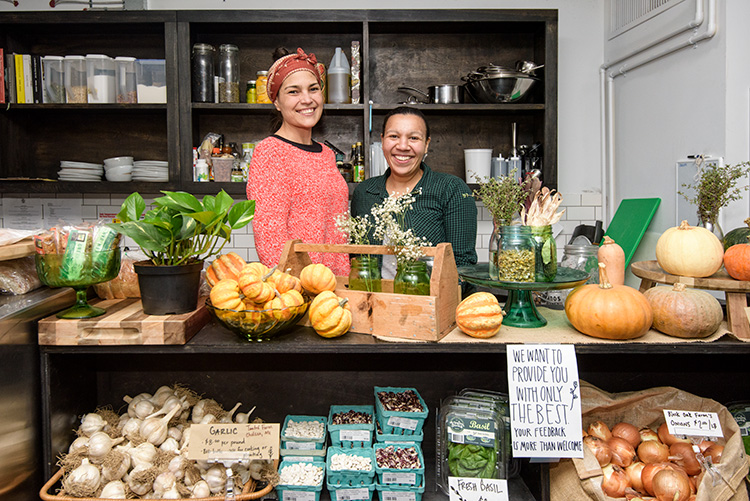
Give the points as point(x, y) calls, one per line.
point(735, 291)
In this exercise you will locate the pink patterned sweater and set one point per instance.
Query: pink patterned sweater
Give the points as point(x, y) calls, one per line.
point(298, 193)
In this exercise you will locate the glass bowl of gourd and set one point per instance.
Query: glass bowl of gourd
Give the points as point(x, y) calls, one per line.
point(257, 323)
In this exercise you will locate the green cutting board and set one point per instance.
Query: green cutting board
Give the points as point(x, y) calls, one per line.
point(631, 222)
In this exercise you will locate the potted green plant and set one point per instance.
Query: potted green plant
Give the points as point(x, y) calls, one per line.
point(715, 188)
point(177, 235)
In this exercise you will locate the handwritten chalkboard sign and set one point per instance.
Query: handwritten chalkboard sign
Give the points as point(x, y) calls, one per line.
point(545, 401)
point(234, 441)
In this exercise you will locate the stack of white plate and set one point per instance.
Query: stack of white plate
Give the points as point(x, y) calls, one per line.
point(79, 171)
point(154, 171)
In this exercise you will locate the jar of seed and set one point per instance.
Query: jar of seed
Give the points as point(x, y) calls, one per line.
point(229, 73)
point(513, 258)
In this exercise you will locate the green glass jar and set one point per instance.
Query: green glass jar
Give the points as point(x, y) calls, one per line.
point(512, 254)
point(412, 278)
point(364, 274)
point(546, 253)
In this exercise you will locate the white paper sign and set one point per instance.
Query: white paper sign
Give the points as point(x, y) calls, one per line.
point(545, 401)
point(22, 213)
point(391, 477)
point(477, 489)
point(693, 423)
point(59, 210)
point(402, 422)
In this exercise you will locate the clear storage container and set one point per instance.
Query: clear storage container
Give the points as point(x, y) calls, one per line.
point(202, 74)
point(126, 86)
point(229, 74)
point(76, 88)
point(151, 80)
point(54, 79)
point(100, 78)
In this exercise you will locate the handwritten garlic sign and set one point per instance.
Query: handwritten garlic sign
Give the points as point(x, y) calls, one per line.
point(234, 441)
point(545, 401)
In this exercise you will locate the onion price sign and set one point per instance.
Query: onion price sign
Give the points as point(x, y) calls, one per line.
point(234, 441)
point(545, 401)
point(693, 423)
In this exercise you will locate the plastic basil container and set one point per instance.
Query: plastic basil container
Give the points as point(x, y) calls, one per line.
point(470, 443)
point(502, 403)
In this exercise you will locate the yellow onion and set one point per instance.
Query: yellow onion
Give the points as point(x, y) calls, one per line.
point(714, 452)
point(671, 485)
point(600, 449)
point(648, 473)
point(615, 481)
point(627, 432)
point(600, 430)
point(682, 454)
point(634, 475)
point(623, 454)
point(653, 451)
point(667, 437)
point(647, 433)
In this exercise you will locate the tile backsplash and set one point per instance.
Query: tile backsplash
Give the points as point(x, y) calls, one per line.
point(580, 208)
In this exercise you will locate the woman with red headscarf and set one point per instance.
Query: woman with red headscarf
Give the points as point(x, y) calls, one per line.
point(294, 181)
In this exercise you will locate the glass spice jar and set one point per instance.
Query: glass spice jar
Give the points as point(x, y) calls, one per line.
point(202, 77)
point(412, 278)
point(584, 258)
point(512, 254)
point(546, 253)
point(251, 95)
point(261, 89)
point(364, 274)
point(229, 74)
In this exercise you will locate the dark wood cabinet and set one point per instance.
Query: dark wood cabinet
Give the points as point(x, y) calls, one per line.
point(415, 48)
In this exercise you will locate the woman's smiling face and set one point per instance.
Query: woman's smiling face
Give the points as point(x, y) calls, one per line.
point(405, 143)
point(300, 100)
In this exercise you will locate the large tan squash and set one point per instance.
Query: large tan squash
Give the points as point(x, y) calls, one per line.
point(685, 313)
point(689, 251)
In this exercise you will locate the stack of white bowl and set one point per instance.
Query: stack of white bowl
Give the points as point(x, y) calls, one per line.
point(118, 169)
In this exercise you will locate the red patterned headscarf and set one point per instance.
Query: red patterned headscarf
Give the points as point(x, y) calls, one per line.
point(287, 65)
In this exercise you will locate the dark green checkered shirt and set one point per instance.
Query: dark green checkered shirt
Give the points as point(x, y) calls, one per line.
point(441, 213)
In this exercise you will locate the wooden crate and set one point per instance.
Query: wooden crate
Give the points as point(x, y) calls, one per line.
point(422, 318)
point(124, 323)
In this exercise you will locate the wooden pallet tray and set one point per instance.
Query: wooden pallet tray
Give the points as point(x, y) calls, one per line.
point(124, 323)
point(423, 318)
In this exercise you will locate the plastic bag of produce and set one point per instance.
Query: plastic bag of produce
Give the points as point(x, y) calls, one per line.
point(18, 276)
point(581, 479)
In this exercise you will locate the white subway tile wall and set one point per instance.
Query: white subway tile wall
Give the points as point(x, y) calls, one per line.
point(580, 208)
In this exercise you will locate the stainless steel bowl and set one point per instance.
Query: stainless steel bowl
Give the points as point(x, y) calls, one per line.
point(499, 86)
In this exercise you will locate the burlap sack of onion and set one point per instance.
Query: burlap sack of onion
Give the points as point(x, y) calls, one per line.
point(629, 454)
point(142, 453)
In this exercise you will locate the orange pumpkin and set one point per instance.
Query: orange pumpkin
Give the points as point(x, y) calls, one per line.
point(253, 283)
point(225, 266)
point(226, 294)
point(479, 315)
point(316, 278)
point(330, 315)
point(283, 305)
point(608, 311)
point(737, 261)
point(685, 313)
point(285, 282)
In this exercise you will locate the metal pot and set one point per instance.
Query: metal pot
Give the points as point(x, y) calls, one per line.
point(440, 94)
point(495, 84)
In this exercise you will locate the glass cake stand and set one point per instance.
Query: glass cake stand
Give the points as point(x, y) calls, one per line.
point(520, 310)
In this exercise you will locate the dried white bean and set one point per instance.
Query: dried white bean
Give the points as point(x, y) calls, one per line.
point(301, 474)
point(350, 462)
point(304, 429)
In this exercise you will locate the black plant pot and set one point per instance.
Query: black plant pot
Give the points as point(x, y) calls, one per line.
point(168, 290)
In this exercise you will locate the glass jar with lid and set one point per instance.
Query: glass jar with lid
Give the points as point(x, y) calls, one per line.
point(512, 254)
point(584, 258)
point(202, 76)
point(261, 89)
point(229, 74)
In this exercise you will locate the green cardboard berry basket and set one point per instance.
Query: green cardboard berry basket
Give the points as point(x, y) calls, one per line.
point(396, 438)
point(282, 489)
point(364, 433)
point(303, 446)
point(350, 477)
point(413, 476)
point(347, 492)
point(399, 422)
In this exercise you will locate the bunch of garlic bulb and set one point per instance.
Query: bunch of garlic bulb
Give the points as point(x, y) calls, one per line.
point(143, 452)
